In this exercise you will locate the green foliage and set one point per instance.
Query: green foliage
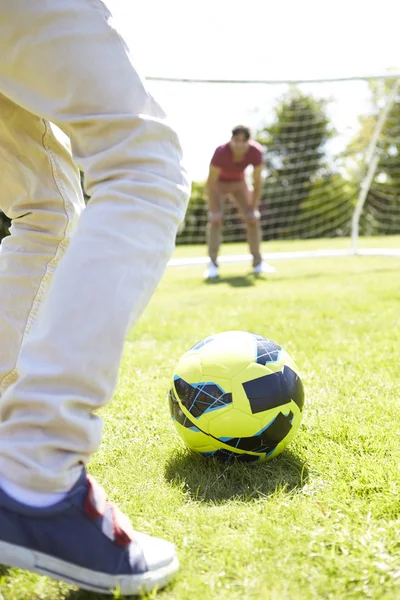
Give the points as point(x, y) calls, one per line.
point(295, 140)
point(5, 223)
point(196, 216)
point(295, 146)
point(305, 193)
point(300, 186)
point(383, 199)
point(327, 210)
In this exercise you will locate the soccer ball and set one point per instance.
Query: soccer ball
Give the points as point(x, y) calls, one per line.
point(236, 396)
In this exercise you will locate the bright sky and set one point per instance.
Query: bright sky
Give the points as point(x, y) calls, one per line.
point(255, 39)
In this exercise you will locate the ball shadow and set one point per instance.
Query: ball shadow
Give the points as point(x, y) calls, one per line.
point(208, 480)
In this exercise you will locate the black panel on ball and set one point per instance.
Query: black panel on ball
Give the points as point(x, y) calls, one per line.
point(280, 427)
point(294, 386)
point(273, 390)
point(185, 391)
point(199, 397)
point(268, 391)
point(176, 411)
point(267, 440)
point(267, 350)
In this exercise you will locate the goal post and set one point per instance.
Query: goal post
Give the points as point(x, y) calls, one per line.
point(371, 162)
point(332, 165)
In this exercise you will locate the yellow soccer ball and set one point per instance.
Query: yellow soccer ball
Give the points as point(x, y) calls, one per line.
point(236, 396)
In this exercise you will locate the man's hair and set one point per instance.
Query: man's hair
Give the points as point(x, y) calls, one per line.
point(241, 129)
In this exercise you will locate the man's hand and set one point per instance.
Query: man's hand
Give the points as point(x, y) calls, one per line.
point(257, 187)
point(253, 215)
point(215, 217)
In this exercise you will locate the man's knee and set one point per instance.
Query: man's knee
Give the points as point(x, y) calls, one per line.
point(215, 221)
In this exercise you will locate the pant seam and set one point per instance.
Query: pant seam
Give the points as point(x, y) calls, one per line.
point(52, 263)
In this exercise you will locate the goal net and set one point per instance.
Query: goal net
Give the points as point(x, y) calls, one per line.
point(331, 156)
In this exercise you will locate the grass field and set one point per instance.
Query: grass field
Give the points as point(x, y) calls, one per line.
point(319, 522)
point(392, 241)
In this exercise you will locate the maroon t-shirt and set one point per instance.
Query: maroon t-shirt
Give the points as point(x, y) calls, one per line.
point(234, 171)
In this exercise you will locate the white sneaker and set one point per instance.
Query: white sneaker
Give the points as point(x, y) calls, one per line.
point(263, 267)
point(211, 272)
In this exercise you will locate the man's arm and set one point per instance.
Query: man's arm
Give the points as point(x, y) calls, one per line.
point(211, 189)
point(257, 187)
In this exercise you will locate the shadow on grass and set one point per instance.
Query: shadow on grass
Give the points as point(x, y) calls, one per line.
point(318, 274)
point(75, 594)
point(250, 279)
point(208, 480)
point(234, 280)
point(83, 595)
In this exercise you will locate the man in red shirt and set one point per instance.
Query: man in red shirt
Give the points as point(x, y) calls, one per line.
point(226, 178)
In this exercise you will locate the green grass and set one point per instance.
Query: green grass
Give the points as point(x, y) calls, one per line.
point(319, 522)
point(294, 245)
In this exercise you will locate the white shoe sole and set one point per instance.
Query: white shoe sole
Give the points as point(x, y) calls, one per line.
point(43, 564)
point(208, 276)
point(265, 269)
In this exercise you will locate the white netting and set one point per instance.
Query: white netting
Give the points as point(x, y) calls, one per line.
point(332, 154)
point(381, 211)
point(317, 138)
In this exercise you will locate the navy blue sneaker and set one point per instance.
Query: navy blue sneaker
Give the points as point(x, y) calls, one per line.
point(85, 541)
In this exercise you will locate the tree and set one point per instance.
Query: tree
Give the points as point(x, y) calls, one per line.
point(4, 225)
point(381, 214)
point(193, 230)
point(295, 159)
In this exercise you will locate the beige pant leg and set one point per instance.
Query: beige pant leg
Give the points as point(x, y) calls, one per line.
point(40, 192)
